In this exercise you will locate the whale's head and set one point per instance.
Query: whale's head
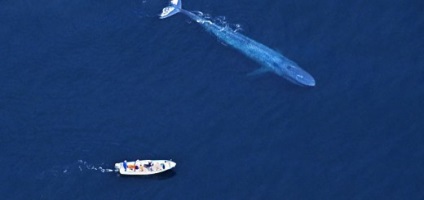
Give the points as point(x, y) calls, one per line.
point(292, 72)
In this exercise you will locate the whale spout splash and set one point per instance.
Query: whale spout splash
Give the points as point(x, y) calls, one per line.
point(269, 59)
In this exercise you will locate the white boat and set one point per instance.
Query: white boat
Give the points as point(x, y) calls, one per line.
point(144, 167)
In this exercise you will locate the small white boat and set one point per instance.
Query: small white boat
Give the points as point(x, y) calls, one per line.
point(144, 167)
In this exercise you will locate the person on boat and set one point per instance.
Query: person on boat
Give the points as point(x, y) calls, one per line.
point(149, 165)
point(125, 165)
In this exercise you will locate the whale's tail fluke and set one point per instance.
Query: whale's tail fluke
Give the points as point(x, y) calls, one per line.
point(173, 8)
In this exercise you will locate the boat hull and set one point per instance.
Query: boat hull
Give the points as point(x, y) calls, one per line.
point(144, 167)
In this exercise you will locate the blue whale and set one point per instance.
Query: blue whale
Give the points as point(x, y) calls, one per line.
point(269, 59)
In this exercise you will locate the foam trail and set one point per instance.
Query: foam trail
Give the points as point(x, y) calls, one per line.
point(86, 165)
point(74, 168)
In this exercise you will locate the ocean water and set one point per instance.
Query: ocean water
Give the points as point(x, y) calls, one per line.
point(85, 84)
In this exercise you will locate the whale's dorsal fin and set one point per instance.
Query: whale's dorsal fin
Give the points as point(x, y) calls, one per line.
point(260, 71)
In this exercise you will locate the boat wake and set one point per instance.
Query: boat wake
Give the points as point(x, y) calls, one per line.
point(84, 165)
point(75, 168)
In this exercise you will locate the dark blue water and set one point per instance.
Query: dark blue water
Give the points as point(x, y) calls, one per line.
point(85, 84)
